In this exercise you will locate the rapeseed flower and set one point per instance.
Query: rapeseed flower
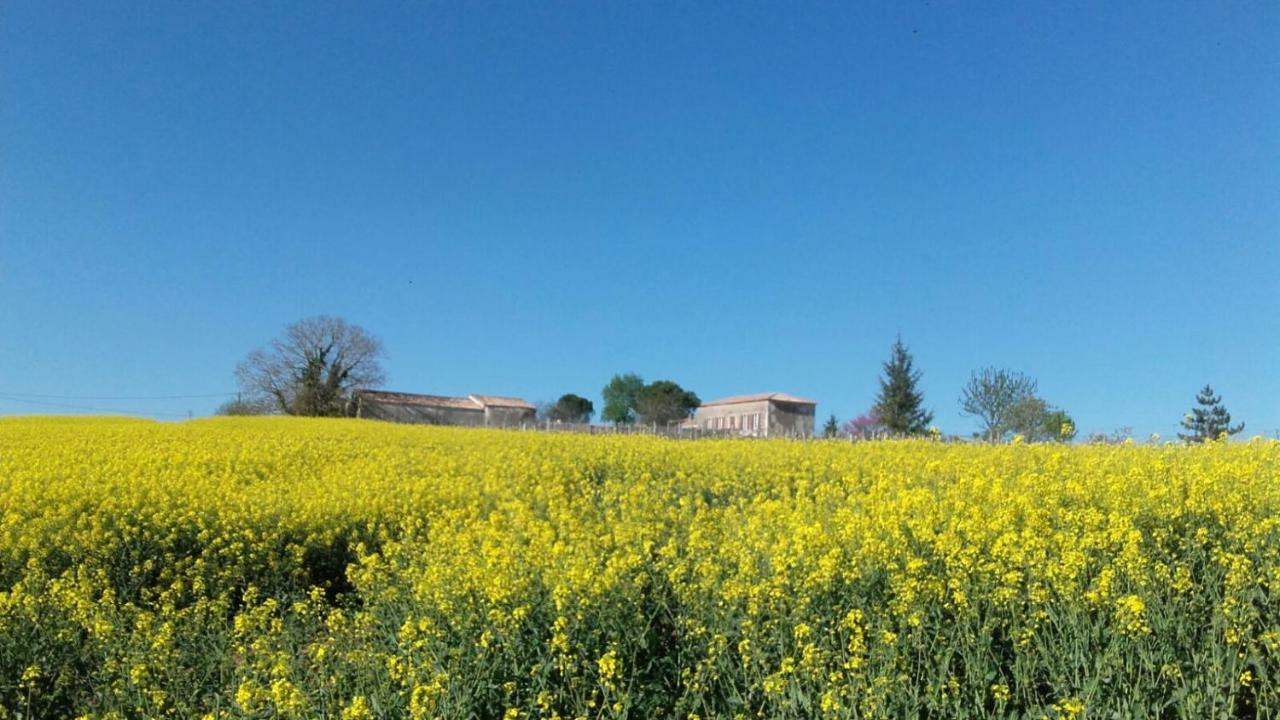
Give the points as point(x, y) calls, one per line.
point(347, 569)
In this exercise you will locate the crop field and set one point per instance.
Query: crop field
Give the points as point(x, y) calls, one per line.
point(285, 568)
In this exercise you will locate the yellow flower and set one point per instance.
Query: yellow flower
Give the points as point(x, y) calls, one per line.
point(308, 559)
point(1070, 708)
point(608, 666)
point(357, 710)
point(1130, 615)
point(1000, 692)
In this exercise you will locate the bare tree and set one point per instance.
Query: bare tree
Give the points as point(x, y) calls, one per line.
point(242, 407)
point(992, 395)
point(313, 367)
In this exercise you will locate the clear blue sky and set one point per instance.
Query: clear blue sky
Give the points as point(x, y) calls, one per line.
point(524, 198)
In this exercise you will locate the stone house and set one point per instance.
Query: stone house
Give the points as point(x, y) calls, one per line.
point(472, 410)
point(759, 415)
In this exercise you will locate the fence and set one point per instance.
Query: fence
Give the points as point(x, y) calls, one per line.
point(672, 430)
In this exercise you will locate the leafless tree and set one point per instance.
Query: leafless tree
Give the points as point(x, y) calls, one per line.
point(313, 367)
point(242, 407)
point(992, 395)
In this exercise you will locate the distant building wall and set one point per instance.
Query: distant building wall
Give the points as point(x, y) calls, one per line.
point(471, 411)
point(791, 419)
point(420, 414)
point(746, 418)
point(497, 416)
point(762, 417)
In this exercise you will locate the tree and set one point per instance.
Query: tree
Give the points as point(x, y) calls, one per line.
point(1058, 426)
point(542, 410)
point(620, 398)
point(242, 407)
point(1115, 437)
point(832, 427)
point(1208, 421)
point(1028, 417)
point(899, 404)
point(312, 368)
point(664, 402)
point(571, 408)
point(864, 427)
point(991, 394)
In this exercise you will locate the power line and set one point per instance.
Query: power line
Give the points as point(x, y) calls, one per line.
point(115, 397)
point(112, 411)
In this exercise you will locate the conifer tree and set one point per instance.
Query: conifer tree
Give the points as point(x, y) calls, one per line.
point(832, 427)
point(1208, 421)
point(899, 404)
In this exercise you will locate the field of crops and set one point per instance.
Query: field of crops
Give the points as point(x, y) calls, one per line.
point(293, 568)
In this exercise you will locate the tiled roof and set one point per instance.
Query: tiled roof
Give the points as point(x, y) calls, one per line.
point(471, 402)
point(498, 401)
point(397, 398)
point(776, 397)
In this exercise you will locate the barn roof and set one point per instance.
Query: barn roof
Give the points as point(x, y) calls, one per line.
point(470, 402)
point(499, 401)
point(441, 401)
point(774, 396)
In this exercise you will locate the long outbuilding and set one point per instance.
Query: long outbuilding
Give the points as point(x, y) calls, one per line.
point(471, 411)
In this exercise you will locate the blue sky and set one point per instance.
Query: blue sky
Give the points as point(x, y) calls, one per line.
point(525, 198)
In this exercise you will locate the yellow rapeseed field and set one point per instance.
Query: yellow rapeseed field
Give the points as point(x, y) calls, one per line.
point(285, 568)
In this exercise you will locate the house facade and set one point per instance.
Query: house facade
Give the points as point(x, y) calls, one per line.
point(472, 410)
point(759, 415)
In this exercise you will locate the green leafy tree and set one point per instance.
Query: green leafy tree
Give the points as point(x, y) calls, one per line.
point(1037, 421)
point(620, 398)
point(1209, 420)
point(1059, 427)
point(664, 402)
point(831, 429)
point(900, 402)
point(572, 408)
point(992, 395)
point(1027, 418)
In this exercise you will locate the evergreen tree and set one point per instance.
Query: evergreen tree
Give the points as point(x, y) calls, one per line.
point(898, 406)
point(1208, 421)
point(663, 402)
point(832, 428)
point(572, 408)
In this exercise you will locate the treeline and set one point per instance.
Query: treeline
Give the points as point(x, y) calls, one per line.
point(1007, 405)
point(316, 364)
